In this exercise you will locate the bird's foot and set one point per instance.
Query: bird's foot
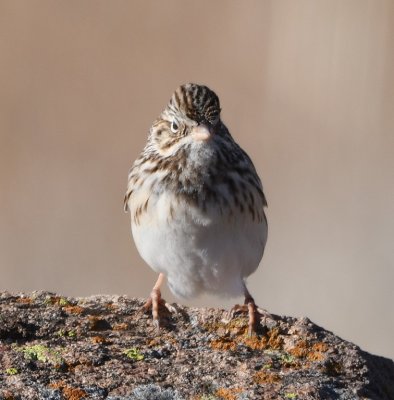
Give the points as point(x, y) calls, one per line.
point(158, 305)
point(254, 313)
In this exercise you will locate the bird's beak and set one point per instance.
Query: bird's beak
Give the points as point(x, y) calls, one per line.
point(201, 133)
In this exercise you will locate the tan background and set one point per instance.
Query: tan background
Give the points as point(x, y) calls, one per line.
point(306, 88)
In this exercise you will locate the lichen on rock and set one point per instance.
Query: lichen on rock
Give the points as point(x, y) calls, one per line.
point(102, 347)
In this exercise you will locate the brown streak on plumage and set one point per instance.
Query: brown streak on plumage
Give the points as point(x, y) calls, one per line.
point(230, 182)
point(182, 96)
point(125, 201)
point(177, 99)
point(137, 215)
point(145, 207)
point(153, 169)
point(169, 143)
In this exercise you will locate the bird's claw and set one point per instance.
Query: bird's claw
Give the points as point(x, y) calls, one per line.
point(255, 314)
point(156, 304)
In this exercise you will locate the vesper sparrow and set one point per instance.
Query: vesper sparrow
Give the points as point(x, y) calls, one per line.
point(197, 203)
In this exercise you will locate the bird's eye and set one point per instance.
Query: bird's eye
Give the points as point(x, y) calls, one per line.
point(174, 126)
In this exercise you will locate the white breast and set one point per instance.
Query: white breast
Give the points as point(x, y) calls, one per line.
point(199, 252)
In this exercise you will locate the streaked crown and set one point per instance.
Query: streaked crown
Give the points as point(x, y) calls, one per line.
point(197, 102)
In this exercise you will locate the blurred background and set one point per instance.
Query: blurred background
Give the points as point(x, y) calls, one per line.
point(307, 89)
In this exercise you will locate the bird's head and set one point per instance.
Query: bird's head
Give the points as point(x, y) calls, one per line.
point(192, 116)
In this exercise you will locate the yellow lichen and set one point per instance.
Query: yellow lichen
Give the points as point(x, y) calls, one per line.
point(264, 377)
point(300, 350)
point(254, 342)
point(120, 327)
point(99, 340)
point(74, 309)
point(223, 344)
point(272, 340)
point(228, 394)
point(24, 300)
point(312, 352)
point(111, 306)
point(236, 326)
point(275, 341)
point(69, 393)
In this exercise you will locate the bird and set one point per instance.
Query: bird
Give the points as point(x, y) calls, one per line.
point(197, 205)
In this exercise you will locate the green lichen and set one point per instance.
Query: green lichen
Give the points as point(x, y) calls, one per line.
point(65, 333)
point(287, 358)
point(48, 300)
point(134, 354)
point(11, 371)
point(39, 352)
point(72, 334)
point(61, 332)
point(291, 395)
point(56, 300)
point(63, 302)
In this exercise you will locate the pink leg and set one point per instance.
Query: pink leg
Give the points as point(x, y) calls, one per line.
point(252, 312)
point(250, 307)
point(154, 301)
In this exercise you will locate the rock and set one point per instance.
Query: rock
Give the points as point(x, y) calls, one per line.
point(102, 347)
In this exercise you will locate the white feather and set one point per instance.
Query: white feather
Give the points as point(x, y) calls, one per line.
point(199, 252)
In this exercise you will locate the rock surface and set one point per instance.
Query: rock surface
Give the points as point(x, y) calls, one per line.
point(102, 347)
